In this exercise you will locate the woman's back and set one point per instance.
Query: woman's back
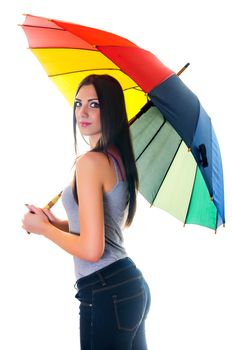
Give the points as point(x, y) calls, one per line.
point(115, 212)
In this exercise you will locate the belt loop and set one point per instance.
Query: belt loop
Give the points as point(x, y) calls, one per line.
point(101, 278)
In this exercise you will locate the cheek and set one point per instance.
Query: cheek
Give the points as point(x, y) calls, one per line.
point(76, 114)
point(98, 119)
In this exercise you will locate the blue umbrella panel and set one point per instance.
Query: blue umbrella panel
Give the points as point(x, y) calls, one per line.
point(178, 156)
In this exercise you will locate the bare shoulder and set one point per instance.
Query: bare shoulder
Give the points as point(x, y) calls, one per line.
point(91, 162)
point(90, 159)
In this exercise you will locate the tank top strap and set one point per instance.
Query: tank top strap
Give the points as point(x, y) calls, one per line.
point(116, 167)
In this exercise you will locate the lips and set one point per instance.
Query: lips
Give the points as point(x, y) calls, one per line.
point(84, 124)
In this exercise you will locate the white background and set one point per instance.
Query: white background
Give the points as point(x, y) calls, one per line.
point(188, 269)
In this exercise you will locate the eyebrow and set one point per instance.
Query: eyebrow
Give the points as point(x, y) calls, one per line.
point(89, 100)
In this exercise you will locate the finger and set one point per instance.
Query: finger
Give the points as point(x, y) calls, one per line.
point(34, 209)
point(24, 226)
point(48, 214)
point(30, 207)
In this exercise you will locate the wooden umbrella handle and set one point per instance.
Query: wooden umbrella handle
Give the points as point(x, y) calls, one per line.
point(50, 204)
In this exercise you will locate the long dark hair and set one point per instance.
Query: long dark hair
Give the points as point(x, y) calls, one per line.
point(115, 131)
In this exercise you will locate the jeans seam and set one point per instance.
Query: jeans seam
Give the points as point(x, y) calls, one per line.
point(86, 304)
point(106, 277)
point(115, 301)
point(116, 285)
point(92, 317)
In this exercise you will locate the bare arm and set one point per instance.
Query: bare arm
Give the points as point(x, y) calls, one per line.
point(62, 225)
point(90, 244)
point(55, 221)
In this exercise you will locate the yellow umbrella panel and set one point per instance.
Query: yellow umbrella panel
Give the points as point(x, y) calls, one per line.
point(67, 67)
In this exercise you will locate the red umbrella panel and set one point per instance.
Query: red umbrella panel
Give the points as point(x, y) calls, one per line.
point(68, 52)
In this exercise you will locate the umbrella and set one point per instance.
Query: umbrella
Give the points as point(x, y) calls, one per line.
point(176, 149)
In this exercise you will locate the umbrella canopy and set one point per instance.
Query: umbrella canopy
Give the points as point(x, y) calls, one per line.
point(176, 150)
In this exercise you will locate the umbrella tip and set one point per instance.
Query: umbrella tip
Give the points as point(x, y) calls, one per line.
point(183, 69)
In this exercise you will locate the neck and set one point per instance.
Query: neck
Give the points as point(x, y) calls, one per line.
point(93, 139)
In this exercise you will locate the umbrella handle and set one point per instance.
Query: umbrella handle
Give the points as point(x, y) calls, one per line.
point(50, 204)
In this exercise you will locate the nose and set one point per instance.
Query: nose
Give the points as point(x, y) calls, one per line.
point(82, 112)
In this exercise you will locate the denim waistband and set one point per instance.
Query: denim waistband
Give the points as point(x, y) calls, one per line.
point(105, 273)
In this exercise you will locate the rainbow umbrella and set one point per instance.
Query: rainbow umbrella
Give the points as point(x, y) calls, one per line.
point(176, 149)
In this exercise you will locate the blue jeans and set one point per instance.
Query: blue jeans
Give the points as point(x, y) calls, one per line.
point(114, 303)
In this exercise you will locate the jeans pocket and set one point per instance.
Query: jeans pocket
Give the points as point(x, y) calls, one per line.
point(129, 311)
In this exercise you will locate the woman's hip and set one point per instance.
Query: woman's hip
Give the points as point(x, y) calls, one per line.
point(120, 272)
point(120, 285)
point(114, 303)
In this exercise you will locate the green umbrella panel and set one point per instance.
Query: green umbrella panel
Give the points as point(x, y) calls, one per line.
point(168, 173)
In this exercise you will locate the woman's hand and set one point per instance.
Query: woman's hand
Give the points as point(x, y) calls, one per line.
point(55, 221)
point(35, 220)
point(51, 217)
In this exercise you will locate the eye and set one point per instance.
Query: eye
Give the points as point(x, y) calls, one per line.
point(77, 104)
point(95, 104)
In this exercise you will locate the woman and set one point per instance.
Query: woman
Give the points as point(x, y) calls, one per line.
point(114, 297)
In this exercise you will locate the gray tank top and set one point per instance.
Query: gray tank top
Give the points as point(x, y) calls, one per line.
point(115, 213)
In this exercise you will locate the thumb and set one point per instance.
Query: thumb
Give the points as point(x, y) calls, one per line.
point(49, 214)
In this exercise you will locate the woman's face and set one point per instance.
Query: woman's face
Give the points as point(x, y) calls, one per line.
point(87, 112)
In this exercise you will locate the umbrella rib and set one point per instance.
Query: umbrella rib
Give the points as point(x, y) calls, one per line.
point(166, 172)
point(215, 228)
point(81, 71)
point(136, 87)
point(41, 27)
point(143, 110)
point(151, 140)
point(75, 48)
point(191, 195)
